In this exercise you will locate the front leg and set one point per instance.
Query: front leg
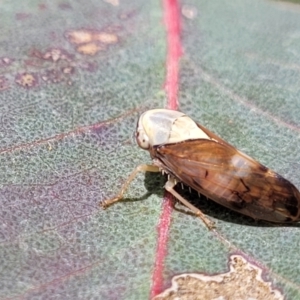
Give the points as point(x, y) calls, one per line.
point(140, 168)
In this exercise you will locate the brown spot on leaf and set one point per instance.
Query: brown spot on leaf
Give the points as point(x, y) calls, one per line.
point(52, 76)
point(52, 54)
point(68, 70)
point(36, 53)
point(91, 42)
point(32, 62)
point(243, 279)
point(86, 36)
point(5, 61)
point(27, 80)
point(90, 48)
point(3, 83)
point(79, 36)
point(56, 54)
point(58, 75)
point(59, 67)
point(106, 38)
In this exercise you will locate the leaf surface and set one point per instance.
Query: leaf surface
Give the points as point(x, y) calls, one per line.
point(74, 78)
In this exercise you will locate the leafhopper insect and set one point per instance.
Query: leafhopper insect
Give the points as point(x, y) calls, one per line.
point(191, 154)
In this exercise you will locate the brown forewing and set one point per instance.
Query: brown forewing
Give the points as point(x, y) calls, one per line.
point(222, 173)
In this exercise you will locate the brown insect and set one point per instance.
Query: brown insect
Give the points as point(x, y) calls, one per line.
point(191, 154)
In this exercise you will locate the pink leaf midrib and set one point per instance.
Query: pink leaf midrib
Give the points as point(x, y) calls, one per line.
point(174, 50)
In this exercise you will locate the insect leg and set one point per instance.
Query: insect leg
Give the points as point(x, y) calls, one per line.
point(169, 187)
point(140, 168)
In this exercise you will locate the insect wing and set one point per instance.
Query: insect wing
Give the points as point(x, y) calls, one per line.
point(222, 173)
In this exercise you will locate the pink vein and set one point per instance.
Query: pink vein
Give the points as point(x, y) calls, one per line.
point(61, 136)
point(172, 23)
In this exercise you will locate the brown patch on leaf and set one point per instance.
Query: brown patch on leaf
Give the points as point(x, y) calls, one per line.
point(59, 64)
point(5, 61)
point(52, 54)
point(68, 70)
point(106, 38)
point(86, 36)
point(52, 76)
point(89, 48)
point(3, 83)
point(27, 80)
point(243, 279)
point(79, 36)
point(33, 62)
point(58, 75)
point(91, 42)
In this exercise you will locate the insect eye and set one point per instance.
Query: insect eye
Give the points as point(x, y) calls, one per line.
point(142, 139)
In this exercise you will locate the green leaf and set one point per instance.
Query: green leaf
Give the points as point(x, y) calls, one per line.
point(74, 78)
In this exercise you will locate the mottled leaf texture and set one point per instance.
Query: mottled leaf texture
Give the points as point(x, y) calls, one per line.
point(75, 76)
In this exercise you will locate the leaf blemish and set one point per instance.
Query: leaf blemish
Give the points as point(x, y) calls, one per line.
point(27, 80)
point(90, 42)
point(243, 278)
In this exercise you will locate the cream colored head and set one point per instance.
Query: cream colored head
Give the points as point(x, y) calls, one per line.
point(164, 126)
